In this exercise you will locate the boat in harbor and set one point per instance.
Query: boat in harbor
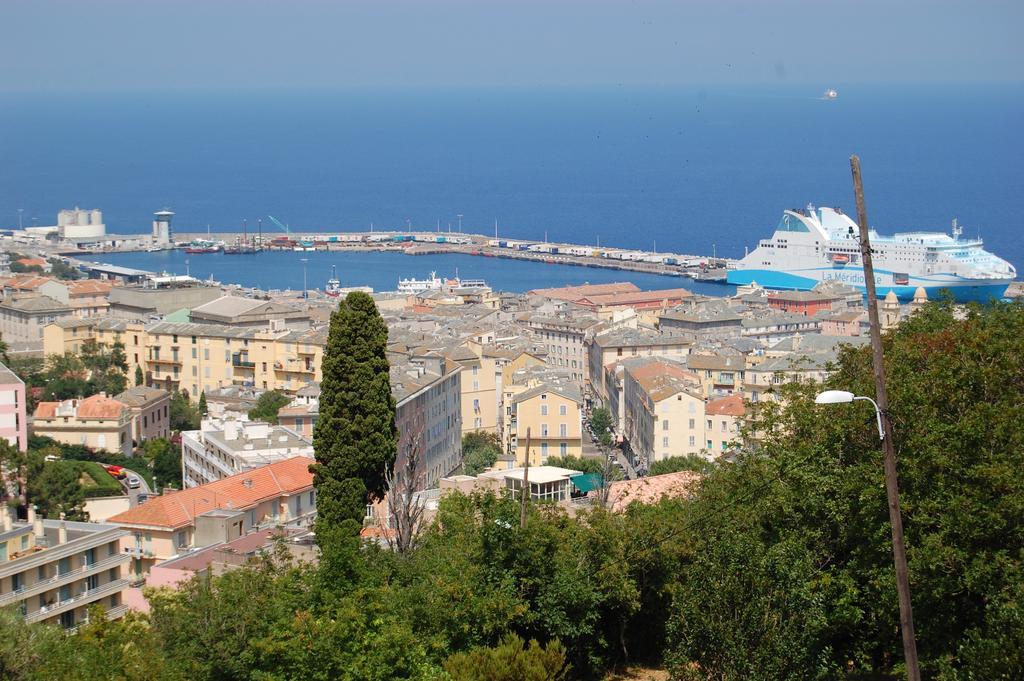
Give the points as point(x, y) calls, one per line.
point(333, 287)
point(413, 286)
point(204, 246)
point(435, 283)
point(813, 245)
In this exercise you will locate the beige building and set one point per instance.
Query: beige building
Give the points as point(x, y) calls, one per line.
point(150, 410)
point(173, 523)
point(552, 413)
point(723, 422)
point(606, 349)
point(721, 372)
point(53, 571)
point(86, 297)
point(98, 422)
point(664, 411)
point(69, 335)
point(23, 318)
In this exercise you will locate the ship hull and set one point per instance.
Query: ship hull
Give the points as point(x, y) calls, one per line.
point(962, 290)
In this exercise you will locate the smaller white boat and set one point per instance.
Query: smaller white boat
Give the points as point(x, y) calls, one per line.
point(333, 288)
point(831, 94)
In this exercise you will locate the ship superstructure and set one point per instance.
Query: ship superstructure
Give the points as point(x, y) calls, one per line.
point(813, 245)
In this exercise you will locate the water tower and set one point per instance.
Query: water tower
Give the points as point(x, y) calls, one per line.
point(162, 227)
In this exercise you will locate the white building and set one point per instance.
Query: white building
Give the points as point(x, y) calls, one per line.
point(162, 234)
point(223, 448)
point(52, 571)
point(80, 225)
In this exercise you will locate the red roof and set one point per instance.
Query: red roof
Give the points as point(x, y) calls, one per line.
point(726, 406)
point(239, 492)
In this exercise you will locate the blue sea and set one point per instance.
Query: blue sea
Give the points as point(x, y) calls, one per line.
point(691, 170)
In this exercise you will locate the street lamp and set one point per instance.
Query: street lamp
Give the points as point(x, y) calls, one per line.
point(305, 293)
point(844, 397)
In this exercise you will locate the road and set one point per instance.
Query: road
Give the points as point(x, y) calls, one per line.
point(133, 494)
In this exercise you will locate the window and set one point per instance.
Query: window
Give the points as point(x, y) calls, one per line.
point(562, 429)
point(664, 424)
point(543, 410)
point(664, 442)
point(710, 425)
point(563, 450)
point(693, 441)
point(561, 410)
point(206, 353)
point(692, 408)
point(194, 353)
point(725, 428)
point(543, 451)
point(693, 424)
point(544, 430)
point(710, 445)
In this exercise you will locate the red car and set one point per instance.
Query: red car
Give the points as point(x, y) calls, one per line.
point(116, 471)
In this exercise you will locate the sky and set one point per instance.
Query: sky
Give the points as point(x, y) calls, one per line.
point(146, 45)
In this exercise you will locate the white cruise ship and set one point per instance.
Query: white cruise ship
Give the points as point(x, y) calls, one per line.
point(822, 244)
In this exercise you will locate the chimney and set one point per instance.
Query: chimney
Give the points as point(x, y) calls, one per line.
point(8, 523)
point(247, 482)
point(37, 523)
point(62, 531)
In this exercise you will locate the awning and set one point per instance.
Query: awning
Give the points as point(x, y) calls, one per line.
point(587, 482)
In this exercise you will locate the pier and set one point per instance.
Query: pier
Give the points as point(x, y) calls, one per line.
point(700, 268)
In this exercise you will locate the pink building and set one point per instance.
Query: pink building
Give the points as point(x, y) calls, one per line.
point(12, 409)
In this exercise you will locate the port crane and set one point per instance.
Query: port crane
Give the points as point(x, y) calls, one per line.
point(283, 228)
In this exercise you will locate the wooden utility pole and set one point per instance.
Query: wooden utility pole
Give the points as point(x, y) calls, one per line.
point(899, 550)
point(525, 492)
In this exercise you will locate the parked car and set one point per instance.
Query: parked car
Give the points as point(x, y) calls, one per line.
point(134, 482)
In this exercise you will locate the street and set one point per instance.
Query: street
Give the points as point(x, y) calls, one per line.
point(133, 494)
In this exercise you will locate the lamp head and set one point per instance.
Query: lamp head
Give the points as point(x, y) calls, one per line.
point(834, 397)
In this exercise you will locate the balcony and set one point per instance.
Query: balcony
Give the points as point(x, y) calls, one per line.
point(78, 599)
point(61, 579)
point(240, 360)
point(137, 552)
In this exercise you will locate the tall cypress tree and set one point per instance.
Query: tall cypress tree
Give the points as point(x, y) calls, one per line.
point(355, 438)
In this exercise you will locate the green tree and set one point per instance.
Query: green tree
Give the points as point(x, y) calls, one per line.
point(601, 422)
point(61, 270)
point(204, 410)
point(139, 378)
point(184, 416)
point(164, 460)
point(355, 436)
point(687, 462)
point(511, 660)
point(790, 569)
point(479, 451)
point(267, 406)
point(65, 376)
point(54, 487)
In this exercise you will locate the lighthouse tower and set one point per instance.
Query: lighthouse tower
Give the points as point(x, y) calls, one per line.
point(162, 227)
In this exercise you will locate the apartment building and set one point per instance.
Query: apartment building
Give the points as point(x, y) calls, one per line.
point(198, 357)
point(722, 372)
point(150, 412)
point(428, 413)
point(564, 338)
point(481, 382)
point(664, 411)
point(552, 413)
point(605, 349)
point(13, 424)
point(86, 297)
point(222, 448)
point(69, 335)
point(723, 421)
point(53, 571)
point(168, 525)
point(98, 422)
point(23, 318)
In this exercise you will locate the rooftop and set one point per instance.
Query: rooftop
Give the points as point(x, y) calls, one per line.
point(240, 491)
point(651, 489)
